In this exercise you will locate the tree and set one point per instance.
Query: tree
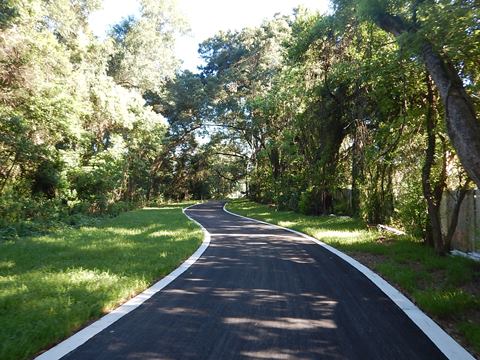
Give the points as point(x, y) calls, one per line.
point(143, 56)
point(72, 138)
point(434, 189)
point(463, 126)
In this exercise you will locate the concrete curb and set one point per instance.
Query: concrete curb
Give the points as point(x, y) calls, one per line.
point(447, 345)
point(82, 336)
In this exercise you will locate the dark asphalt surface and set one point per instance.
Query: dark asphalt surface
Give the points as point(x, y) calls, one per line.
point(260, 292)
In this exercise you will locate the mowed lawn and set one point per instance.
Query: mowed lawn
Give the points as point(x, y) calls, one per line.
point(447, 288)
point(52, 285)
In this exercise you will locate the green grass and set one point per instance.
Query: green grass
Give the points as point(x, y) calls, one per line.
point(444, 287)
point(52, 285)
point(441, 302)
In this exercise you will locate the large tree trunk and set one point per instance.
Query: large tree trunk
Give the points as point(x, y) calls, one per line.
point(454, 220)
point(436, 227)
point(358, 164)
point(432, 192)
point(462, 124)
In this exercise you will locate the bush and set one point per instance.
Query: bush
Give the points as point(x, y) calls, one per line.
point(411, 211)
point(341, 207)
point(117, 208)
point(306, 203)
point(98, 183)
point(288, 201)
point(21, 215)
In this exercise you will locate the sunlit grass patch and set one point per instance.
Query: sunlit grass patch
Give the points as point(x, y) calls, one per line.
point(51, 285)
point(446, 287)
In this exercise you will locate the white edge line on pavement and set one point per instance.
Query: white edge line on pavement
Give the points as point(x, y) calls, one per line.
point(447, 345)
point(88, 332)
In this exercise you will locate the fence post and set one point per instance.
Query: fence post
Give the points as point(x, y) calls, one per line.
point(476, 221)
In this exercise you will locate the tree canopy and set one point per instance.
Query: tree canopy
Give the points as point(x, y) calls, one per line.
point(369, 111)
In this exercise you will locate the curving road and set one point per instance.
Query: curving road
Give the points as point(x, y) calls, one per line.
point(260, 292)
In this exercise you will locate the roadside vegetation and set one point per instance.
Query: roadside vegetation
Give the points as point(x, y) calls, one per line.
point(52, 285)
point(447, 288)
point(369, 111)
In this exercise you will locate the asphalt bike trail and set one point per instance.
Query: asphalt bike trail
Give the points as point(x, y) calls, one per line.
point(261, 292)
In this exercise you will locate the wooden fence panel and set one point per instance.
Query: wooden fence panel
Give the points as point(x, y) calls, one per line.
point(466, 235)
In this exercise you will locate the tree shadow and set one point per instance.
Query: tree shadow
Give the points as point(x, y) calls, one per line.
point(262, 293)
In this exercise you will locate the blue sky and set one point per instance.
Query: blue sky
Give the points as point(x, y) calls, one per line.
point(206, 17)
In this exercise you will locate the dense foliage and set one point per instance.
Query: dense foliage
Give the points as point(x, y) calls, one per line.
point(76, 135)
point(369, 111)
point(360, 112)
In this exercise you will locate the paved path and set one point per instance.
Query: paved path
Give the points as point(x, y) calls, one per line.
point(260, 292)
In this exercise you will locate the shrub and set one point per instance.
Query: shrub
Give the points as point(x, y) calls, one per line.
point(118, 207)
point(306, 203)
point(410, 210)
